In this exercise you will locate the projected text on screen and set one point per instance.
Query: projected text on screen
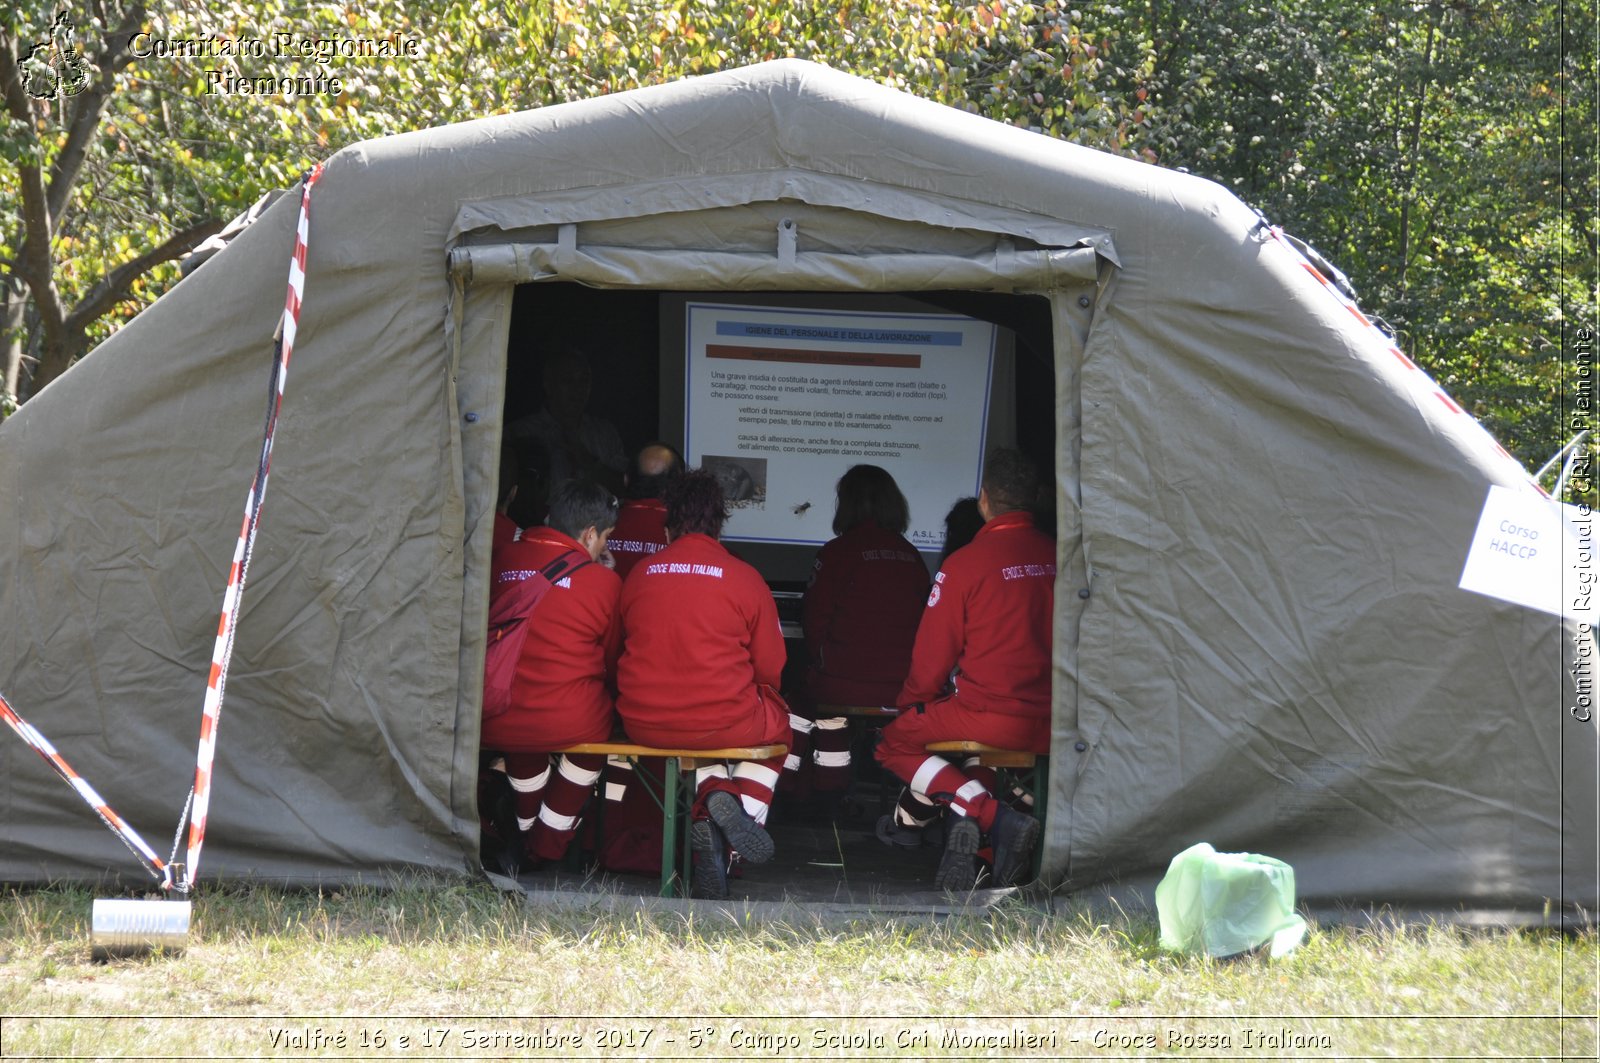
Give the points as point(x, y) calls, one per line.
point(780, 402)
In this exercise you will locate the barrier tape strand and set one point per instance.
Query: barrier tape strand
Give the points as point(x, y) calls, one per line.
point(238, 571)
point(198, 802)
point(130, 837)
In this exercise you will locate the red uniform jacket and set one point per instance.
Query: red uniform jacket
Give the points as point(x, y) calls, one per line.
point(641, 531)
point(700, 631)
point(562, 691)
point(860, 616)
point(988, 620)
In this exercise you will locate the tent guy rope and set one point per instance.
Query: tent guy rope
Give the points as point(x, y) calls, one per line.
point(172, 875)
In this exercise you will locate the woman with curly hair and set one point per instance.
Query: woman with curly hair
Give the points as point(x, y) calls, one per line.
point(701, 660)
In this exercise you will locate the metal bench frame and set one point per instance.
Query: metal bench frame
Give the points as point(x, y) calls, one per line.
point(676, 802)
point(1031, 771)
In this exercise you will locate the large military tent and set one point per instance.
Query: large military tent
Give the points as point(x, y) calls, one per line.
point(1263, 507)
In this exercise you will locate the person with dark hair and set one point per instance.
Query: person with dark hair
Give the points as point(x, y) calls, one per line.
point(702, 657)
point(531, 499)
point(642, 522)
point(859, 616)
point(565, 676)
point(980, 669)
point(961, 526)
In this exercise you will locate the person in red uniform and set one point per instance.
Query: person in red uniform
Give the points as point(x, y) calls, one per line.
point(496, 801)
point(631, 827)
point(562, 693)
point(702, 657)
point(980, 669)
point(859, 616)
point(642, 521)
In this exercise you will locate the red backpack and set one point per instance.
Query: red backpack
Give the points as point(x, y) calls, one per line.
point(511, 602)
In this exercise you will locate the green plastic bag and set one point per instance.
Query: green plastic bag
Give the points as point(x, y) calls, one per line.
point(1222, 904)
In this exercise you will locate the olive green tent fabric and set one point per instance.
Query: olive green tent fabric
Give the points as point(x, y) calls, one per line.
point(1259, 638)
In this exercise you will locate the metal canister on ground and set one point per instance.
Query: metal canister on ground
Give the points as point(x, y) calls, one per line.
point(123, 928)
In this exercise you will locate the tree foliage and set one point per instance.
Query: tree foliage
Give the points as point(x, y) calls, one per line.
point(164, 146)
point(1418, 145)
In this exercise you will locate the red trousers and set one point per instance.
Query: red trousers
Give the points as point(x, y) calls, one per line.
point(819, 749)
point(932, 777)
point(551, 791)
point(752, 781)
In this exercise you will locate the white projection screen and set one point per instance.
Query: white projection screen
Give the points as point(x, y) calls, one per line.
point(780, 394)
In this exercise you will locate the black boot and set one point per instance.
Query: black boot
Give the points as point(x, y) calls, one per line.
point(748, 838)
point(502, 803)
point(1013, 838)
point(708, 871)
point(958, 867)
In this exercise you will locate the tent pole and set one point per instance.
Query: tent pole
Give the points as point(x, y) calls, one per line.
point(1572, 459)
point(1558, 455)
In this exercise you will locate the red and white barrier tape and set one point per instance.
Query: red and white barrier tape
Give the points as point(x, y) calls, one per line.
point(129, 836)
point(222, 652)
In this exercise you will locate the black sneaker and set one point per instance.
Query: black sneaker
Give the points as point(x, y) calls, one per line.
point(892, 832)
point(708, 871)
point(958, 867)
point(510, 858)
point(747, 837)
point(1013, 837)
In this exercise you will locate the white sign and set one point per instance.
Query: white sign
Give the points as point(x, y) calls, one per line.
point(1533, 551)
point(780, 402)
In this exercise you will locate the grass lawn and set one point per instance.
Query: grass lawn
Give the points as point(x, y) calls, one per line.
point(466, 972)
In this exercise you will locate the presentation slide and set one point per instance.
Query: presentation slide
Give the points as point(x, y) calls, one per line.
point(779, 402)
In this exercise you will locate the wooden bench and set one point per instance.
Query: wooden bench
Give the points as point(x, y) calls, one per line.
point(882, 712)
point(1028, 770)
point(860, 740)
point(1031, 771)
point(676, 801)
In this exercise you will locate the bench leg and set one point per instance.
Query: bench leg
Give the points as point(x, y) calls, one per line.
point(669, 833)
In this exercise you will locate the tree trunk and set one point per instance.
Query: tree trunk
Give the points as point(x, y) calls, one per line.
point(54, 359)
point(13, 309)
point(1412, 161)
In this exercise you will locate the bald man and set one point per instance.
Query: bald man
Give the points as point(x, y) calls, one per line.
point(632, 823)
point(642, 522)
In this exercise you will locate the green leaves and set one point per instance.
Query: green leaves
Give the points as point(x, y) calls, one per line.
point(197, 124)
point(1418, 145)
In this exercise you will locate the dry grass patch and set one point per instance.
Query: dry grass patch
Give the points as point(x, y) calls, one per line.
point(461, 954)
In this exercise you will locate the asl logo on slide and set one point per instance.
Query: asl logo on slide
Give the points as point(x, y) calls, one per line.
point(55, 67)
